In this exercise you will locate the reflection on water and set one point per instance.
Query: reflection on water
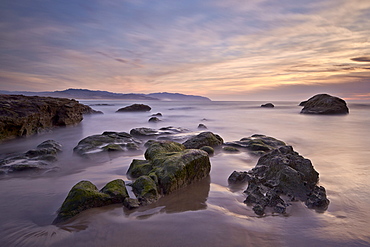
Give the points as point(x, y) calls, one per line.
point(208, 213)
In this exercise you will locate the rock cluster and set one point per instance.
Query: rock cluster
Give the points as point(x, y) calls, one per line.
point(324, 104)
point(37, 159)
point(26, 115)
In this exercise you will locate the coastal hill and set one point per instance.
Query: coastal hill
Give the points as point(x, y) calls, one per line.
point(91, 94)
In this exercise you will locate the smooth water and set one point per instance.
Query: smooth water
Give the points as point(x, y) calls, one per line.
point(207, 213)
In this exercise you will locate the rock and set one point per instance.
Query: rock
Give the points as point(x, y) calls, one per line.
point(27, 115)
point(164, 133)
point(131, 203)
point(204, 139)
point(170, 167)
point(257, 144)
point(208, 149)
point(85, 195)
point(238, 177)
point(157, 115)
point(282, 172)
point(154, 120)
point(135, 108)
point(324, 104)
point(202, 126)
point(39, 159)
point(108, 141)
point(144, 132)
point(268, 105)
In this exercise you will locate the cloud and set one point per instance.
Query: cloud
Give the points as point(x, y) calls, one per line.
point(361, 59)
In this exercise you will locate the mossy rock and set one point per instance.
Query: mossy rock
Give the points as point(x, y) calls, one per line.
point(203, 139)
point(157, 149)
point(85, 195)
point(208, 149)
point(230, 150)
point(145, 190)
point(113, 148)
point(139, 168)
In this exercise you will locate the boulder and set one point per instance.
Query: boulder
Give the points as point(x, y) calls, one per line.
point(135, 108)
point(85, 195)
point(27, 115)
point(39, 159)
point(108, 141)
point(154, 120)
point(257, 144)
point(324, 104)
point(282, 172)
point(164, 133)
point(268, 105)
point(202, 126)
point(170, 167)
point(203, 139)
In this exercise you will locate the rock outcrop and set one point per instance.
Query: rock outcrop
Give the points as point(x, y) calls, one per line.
point(39, 159)
point(281, 176)
point(108, 141)
point(257, 144)
point(85, 195)
point(324, 104)
point(204, 139)
point(135, 108)
point(27, 115)
point(168, 166)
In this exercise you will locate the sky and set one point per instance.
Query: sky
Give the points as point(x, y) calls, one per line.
point(221, 49)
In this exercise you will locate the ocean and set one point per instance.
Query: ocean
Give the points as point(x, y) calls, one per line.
point(206, 213)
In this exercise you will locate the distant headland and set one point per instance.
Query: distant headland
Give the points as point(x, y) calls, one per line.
point(94, 94)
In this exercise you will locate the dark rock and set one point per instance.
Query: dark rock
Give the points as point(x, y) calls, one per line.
point(108, 141)
point(257, 144)
point(144, 132)
point(202, 126)
point(27, 115)
point(154, 120)
point(131, 203)
point(204, 139)
point(238, 177)
point(157, 115)
point(85, 195)
point(282, 172)
point(268, 105)
point(324, 104)
point(164, 133)
point(39, 159)
point(170, 167)
point(135, 108)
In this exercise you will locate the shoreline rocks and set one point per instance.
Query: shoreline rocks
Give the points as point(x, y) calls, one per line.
point(27, 115)
point(324, 104)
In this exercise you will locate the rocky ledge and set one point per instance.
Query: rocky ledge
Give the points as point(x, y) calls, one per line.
point(324, 104)
point(26, 115)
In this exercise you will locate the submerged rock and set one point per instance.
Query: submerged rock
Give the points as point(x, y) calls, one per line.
point(39, 159)
point(85, 195)
point(154, 120)
point(204, 139)
point(164, 133)
point(27, 115)
point(135, 108)
point(324, 104)
point(168, 166)
point(257, 144)
point(281, 172)
point(108, 141)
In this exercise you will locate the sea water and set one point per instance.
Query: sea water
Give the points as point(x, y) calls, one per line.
point(207, 213)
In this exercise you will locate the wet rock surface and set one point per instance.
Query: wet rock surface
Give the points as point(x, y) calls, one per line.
point(108, 141)
point(27, 115)
point(39, 159)
point(268, 105)
point(204, 139)
point(257, 144)
point(324, 104)
point(281, 176)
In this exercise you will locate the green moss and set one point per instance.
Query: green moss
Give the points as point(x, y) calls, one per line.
point(160, 148)
point(116, 189)
point(138, 168)
point(145, 189)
